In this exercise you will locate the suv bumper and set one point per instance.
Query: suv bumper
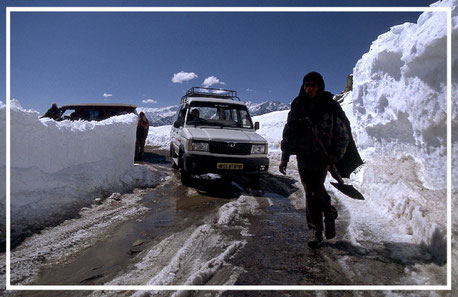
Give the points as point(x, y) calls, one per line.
point(200, 164)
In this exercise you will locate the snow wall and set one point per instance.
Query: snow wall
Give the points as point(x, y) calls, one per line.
point(58, 167)
point(400, 95)
point(400, 124)
point(53, 146)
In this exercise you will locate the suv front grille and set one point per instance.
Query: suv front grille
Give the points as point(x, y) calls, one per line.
point(230, 148)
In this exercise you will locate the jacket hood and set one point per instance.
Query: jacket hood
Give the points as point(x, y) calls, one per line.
point(316, 78)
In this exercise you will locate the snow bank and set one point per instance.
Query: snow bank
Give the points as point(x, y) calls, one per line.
point(398, 200)
point(399, 93)
point(53, 146)
point(400, 111)
point(159, 137)
point(57, 167)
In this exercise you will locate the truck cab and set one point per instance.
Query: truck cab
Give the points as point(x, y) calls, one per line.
point(213, 133)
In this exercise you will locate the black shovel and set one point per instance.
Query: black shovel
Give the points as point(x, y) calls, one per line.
point(348, 190)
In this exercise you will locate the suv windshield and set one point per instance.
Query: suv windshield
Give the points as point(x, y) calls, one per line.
point(218, 114)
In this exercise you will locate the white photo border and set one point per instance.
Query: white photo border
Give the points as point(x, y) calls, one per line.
point(447, 10)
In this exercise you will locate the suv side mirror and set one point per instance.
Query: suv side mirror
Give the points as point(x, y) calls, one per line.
point(177, 124)
point(256, 126)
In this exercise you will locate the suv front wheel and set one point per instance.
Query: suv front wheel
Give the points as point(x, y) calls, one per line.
point(254, 181)
point(173, 157)
point(185, 177)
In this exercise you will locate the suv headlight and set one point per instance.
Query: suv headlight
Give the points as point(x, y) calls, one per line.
point(200, 146)
point(259, 149)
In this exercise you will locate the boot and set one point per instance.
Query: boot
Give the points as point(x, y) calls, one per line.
point(330, 228)
point(316, 240)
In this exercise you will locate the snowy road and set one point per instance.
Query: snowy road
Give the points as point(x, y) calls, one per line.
point(212, 233)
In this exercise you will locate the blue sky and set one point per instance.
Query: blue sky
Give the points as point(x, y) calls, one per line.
point(133, 57)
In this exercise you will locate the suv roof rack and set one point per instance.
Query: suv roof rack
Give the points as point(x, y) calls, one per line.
point(210, 92)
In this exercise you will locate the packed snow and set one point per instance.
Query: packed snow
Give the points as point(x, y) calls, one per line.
point(399, 93)
point(400, 110)
point(58, 167)
point(159, 137)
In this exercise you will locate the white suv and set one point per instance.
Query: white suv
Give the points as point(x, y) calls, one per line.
point(214, 133)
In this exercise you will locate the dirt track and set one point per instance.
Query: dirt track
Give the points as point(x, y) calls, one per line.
point(264, 242)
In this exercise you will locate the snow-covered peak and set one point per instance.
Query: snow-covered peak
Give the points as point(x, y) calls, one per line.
point(159, 116)
point(256, 109)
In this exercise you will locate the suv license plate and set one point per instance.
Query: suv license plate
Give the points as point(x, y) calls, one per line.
point(230, 166)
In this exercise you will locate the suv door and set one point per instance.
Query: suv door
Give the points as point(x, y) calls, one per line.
point(176, 137)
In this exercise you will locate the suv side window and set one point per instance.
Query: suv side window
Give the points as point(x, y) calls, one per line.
point(246, 120)
point(181, 115)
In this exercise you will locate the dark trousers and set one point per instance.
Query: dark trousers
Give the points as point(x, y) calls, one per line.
point(140, 149)
point(318, 202)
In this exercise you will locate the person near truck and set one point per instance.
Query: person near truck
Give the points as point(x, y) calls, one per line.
point(194, 115)
point(53, 112)
point(316, 133)
point(142, 133)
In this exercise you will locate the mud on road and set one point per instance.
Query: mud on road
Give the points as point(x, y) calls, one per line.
point(214, 232)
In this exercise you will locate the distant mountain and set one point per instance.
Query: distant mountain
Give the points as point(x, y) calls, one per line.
point(166, 115)
point(256, 109)
point(159, 116)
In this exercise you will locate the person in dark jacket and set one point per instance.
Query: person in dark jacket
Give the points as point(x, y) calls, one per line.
point(316, 133)
point(53, 112)
point(194, 115)
point(142, 133)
